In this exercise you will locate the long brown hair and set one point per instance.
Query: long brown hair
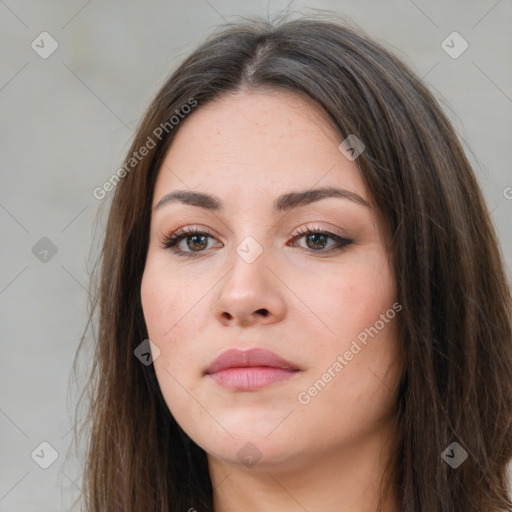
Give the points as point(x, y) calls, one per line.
point(455, 325)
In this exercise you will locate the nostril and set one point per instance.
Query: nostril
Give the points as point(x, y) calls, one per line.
point(263, 312)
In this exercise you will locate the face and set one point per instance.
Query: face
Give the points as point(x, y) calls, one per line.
point(304, 276)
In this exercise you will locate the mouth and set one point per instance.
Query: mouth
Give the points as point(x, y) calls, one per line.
point(250, 370)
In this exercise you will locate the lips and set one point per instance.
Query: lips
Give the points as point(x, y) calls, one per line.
point(248, 370)
point(234, 358)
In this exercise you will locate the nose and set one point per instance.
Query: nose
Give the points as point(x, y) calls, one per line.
point(249, 294)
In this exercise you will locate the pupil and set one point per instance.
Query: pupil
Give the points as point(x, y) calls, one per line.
point(315, 237)
point(202, 244)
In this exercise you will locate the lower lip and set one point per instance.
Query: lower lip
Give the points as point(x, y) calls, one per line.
point(251, 378)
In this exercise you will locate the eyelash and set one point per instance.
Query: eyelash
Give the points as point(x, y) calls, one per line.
point(171, 241)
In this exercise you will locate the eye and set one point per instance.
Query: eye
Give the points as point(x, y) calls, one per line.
point(317, 240)
point(191, 242)
point(196, 241)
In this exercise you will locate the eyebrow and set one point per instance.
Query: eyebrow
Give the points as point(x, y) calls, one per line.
point(282, 203)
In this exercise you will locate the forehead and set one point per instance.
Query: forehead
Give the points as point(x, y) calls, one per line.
point(252, 144)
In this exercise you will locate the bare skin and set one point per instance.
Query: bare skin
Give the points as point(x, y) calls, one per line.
point(284, 447)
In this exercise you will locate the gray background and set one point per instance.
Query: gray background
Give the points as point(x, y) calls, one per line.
point(66, 123)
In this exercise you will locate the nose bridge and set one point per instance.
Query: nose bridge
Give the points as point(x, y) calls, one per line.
point(253, 237)
point(249, 290)
point(248, 275)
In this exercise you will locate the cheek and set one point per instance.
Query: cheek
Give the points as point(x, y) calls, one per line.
point(153, 303)
point(350, 299)
point(164, 301)
point(360, 396)
point(361, 328)
point(173, 314)
point(167, 315)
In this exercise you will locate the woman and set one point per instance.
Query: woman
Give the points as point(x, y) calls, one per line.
point(303, 304)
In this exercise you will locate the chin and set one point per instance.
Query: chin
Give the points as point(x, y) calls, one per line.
point(256, 454)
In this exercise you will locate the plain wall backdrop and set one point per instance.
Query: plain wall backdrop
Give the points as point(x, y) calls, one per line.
point(75, 78)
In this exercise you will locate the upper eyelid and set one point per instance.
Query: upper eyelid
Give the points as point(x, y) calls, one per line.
point(192, 230)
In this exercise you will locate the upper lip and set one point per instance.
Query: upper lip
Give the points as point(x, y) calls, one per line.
point(236, 358)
